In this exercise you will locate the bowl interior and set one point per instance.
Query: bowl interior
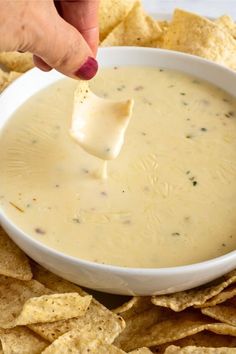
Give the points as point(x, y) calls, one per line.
point(35, 80)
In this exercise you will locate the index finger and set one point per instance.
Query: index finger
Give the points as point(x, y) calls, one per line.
point(83, 15)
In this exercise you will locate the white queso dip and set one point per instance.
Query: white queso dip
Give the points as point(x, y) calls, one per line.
point(170, 196)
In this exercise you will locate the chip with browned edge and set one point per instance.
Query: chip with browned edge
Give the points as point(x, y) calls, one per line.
point(201, 339)
point(180, 326)
point(224, 312)
point(6, 78)
point(198, 350)
point(198, 296)
point(225, 294)
point(15, 61)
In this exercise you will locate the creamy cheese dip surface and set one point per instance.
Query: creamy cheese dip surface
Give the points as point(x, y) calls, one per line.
point(170, 196)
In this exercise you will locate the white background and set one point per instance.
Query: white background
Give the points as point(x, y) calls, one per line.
point(211, 8)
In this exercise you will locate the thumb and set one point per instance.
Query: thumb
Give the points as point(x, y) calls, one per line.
point(64, 49)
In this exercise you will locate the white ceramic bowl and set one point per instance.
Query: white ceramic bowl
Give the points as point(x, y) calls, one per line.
point(112, 279)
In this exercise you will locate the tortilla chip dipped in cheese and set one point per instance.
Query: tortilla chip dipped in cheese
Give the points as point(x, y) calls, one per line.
point(98, 124)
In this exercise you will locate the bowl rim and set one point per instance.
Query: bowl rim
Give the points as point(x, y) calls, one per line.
point(26, 238)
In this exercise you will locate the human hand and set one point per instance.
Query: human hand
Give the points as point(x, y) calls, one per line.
point(67, 42)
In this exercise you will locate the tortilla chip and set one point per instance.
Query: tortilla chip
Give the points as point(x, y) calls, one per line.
point(22, 303)
point(135, 305)
point(141, 351)
point(181, 300)
point(97, 318)
point(13, 295)
point(111, 13)
point(21, 340)
point(53, 282)
point(6, 78)
point(13, 262)
point(198, 350)
point(3, 79)
point(197, 35)
point(138, 323)
point(51, 308)
point(137, 29)
point(227, 23)
point(226, 294)
point(225, 312)
point(80, 342)
point(159, 42)
point(201, 339)
point(15, 61)
point(180, 326)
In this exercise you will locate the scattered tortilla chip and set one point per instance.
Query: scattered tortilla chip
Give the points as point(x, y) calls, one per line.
point(134, 306)
point(198, 350)
point(53, 282)
point(181, 300)
point(13, 295)
point(180, 326)
point(159, 42)
point(23, 303)
point(51, 308)
point(137, 29)
point(227, 23)
point(197, 35)
point(13, 262)
point(226, 294)
point(6, 78)
point(111, 13)
point(80, 342)
point(15, 61)
point(138, 323)
point(225, 312)
point(201, 339)
point(21, 340)
point(141, 351)
point(97, 318)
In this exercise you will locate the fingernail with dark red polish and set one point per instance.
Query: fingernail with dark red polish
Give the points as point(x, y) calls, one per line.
point(88, 70)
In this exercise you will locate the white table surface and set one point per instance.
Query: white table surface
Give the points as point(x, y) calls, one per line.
point(211, 8)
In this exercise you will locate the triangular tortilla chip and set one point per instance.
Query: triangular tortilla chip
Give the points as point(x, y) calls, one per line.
point(23, 303)
point(227, 23)
point(135, 305)
point(21, 340)
point(111, 13)
point(139, 323)
point(141, 351)
point(13, 262)
point(201, 339)
point(181, 300)
point(15, 61)
point(225, 312)
point(81, 342)
point(98, 318)
point(198, 350)
point(225, 294)
point(180, 326)
point(197, 35)
point(137, 29)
